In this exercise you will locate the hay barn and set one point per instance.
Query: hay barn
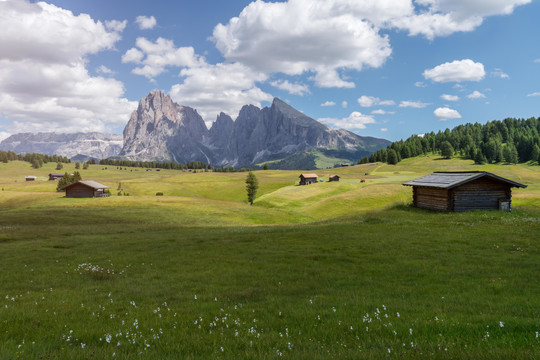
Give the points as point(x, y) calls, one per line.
point(306, 179)
point(86, 188)
point(333, 178)
point(463, 191)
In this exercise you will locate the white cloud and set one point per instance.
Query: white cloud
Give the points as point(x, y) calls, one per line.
point(476, 95)
point(293, 89)
point(449, 97)
point(4, 135)
point(354, 121)
point(45, 83)
point(116, 25)
point(382, 112)
point(102, 69)
point(537, 60)
point(328, 103)
point(500, 74)
point(368, 101)
point(420, 84)
point(445, 113)
point(413, 104)
point(534, 94)
point(212, 89)
point(302, 36)
point(145, 22)
point(456, 71)
point(344, 104)
point(384, 129)
point(155, 57)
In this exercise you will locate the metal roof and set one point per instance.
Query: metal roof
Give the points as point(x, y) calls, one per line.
point(90, 183)
point(449, 180)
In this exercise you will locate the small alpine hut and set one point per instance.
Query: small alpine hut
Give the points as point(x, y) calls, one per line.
point(463, 191)
point(333, 178)
point(55, 177)
point(86, 188)
point(30, 178)
point(306, 179)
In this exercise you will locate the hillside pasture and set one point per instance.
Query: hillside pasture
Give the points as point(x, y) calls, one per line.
point(331, 270)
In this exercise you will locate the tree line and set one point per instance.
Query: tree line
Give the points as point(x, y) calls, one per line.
point(511, 141)
point(35, 159)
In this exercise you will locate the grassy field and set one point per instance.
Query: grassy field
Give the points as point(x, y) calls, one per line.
point(332, 270)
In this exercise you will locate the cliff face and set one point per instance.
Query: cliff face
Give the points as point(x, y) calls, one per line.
point(94, 145)
point(161, 130)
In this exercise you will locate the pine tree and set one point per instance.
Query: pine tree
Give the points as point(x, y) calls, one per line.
point(252, 184)
point(447, 150)
point(77, 165)
point(535, 155)
point(479, 157)
point(392, 157)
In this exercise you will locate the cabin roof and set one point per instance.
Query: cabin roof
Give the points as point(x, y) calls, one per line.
point(90, 183)
point(449, 180)
point(331, 176)
point(306, 176)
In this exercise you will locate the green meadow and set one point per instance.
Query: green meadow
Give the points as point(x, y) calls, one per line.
point(345, 270)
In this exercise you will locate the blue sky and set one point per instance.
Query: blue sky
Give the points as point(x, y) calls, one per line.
point(386, 68)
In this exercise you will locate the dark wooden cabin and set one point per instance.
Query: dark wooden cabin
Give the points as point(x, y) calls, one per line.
point(85, 188)
point(30, 178)
point(463, 191)
point(306, 179)
point(333, 178)
point(55, 177)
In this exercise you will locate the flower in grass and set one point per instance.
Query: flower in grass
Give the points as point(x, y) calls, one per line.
point(501, 324)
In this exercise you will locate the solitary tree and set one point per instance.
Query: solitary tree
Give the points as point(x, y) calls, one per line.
point(252, 184)
point(59, 166)
point(77, 165)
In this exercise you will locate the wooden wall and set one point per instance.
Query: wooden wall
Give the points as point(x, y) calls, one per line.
point(79, 190)
point(430, 198)
point(480, 194)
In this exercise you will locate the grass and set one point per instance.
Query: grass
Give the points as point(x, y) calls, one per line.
point(331, 270)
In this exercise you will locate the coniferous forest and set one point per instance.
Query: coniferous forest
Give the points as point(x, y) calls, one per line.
point(507, 141)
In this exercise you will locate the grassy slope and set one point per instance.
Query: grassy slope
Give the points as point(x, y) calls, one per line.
point(369, 276)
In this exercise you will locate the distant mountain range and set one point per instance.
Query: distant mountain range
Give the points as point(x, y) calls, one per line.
point(161, 130)
point(76, 145)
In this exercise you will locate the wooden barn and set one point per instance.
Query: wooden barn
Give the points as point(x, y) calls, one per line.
point(333, 178)
point(86, 188)
point(55, 177)
point(30, 178)
point(306, 179)
point(463, 191)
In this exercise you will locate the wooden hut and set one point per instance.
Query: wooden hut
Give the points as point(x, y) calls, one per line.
point(55, 177)
point(306, 179)
point(85, 188)
point(30, 178)
point(463, 191)
point(333, 178)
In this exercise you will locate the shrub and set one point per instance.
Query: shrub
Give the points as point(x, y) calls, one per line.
point(159, 193)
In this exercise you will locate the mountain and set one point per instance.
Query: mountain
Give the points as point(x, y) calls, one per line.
point(84, 145)
point(162, 130)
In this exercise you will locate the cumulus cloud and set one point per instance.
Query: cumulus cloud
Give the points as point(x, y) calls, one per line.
point(145, 22)
point(384, 129)
point(116, 25)
point(45, 83)
point(302, 36)
point(413, 104)
point(328, 103)
point(534, 94)
point(456, 71)
point(156, 56)
point(448, 97)
point(476, 95)
point(291, 88)
point(355, 121)
point(444, 113)
point(368, 101)
point(222, 87)
point(102, 69)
